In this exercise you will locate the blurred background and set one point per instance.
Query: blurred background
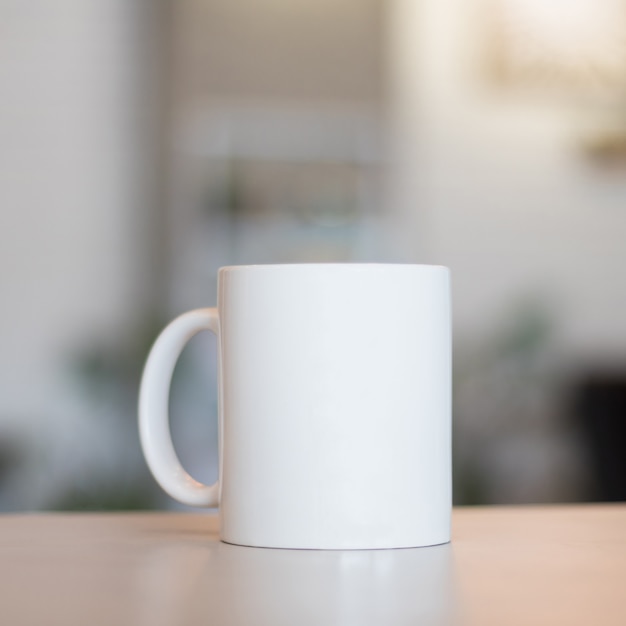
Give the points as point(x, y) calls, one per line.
point(145, 144)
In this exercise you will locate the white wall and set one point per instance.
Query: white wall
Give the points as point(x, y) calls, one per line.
point(492, 183)
point(70, 184)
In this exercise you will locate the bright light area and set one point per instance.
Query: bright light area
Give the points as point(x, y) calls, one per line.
point(578, 38)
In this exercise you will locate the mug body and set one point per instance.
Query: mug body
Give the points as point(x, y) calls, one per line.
point(335, 405)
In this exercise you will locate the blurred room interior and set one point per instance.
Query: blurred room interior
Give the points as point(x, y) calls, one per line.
point(144, 145)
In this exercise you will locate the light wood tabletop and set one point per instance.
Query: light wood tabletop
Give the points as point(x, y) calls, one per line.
point(505, 566)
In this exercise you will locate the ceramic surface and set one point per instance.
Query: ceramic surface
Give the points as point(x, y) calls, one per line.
point(334, 406)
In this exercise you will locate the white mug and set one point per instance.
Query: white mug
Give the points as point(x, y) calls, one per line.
point(334, 406)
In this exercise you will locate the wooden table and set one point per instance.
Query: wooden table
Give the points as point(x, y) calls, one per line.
point(506, 566)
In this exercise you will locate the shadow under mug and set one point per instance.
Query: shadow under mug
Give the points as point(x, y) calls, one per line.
point(334, 406)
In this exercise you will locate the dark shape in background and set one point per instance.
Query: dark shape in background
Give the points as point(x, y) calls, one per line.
point(600, 405)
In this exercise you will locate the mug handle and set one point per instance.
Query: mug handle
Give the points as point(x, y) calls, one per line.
point(154, 392)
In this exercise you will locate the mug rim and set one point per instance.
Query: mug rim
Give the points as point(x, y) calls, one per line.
point(276, 266)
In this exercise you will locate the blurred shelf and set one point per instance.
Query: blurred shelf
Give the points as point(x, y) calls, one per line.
point(292, 134)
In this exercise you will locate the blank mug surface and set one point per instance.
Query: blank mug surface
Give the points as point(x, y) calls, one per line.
point(335, 405)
